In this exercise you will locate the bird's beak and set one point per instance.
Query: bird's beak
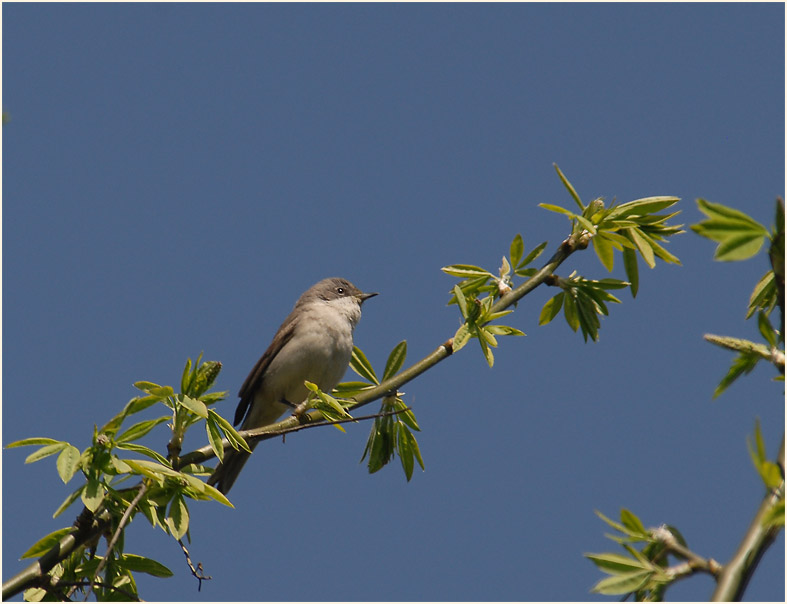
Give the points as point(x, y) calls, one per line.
point(363, 297)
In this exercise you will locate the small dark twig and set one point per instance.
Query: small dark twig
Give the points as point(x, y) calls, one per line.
point(197, 572)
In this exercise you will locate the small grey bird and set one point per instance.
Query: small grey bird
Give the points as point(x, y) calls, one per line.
point(314, 343)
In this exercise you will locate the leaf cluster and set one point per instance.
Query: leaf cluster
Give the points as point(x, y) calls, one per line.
point(740, 237)
point(115, 458)
point(391, 432)
point(583, 301)
point(771, 474)
point(631, 228)
point(642, 573)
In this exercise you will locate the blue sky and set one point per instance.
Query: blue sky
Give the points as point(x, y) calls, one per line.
point(176, 175)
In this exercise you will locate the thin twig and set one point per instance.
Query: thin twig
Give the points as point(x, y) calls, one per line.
point(143, 487)
point(693, 560)
point(334, 422)
point(197, 572)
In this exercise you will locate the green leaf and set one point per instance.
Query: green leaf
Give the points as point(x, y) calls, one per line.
point(570, 312)
point(615, 564)
point(534, 253)
point(743, 363)
point(33, 441)
point(771, 474)
point(622, 583)
point(551, 309)
point(503, 330)
point(586, 224)
point(488, 337)
point(461, 301)
point(774, 517)
point(155, 390)
point(217, 495)
point(643, 207)
point(415, 449)
point(560, 210)
point(395, 360)
point(615, 525)
point(141, 564)
point(350, 389)
point(739, 247)
point(407, 416)
point(215, 438)
point(739, 236)
point(604, 251)
point(381, 444)
point(93, 494)
point(632, 271)
point(34, 594)
point(193, 405)
point(153, 470)
point(766, 329)
point(326, 404)
point(569, 187)
point(726, 213)
point(178, 517)
point(488, 354)
point(43, 545)
point(187, 377)
point(68, 463)
point(516, 250)
point(466, 270)
point(764, 294)
point(68, 501)
point(361, 365)
point(632, 522)
point(643, 245)
point(404, 450)
point(140, 429)
point(236, 440)
point(461, 337)
point(46, 451)
point(140, 403)
point(148, 452)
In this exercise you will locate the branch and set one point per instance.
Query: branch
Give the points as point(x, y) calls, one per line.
point(693, 561)
point(392, 384)
point(292, 424)
point(772, 355)
point(735, 575)
point(89, 527)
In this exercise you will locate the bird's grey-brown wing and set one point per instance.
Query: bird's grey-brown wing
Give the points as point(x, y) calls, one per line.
point(257, 375)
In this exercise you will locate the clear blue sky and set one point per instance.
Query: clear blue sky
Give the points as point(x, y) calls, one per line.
point(174, 176)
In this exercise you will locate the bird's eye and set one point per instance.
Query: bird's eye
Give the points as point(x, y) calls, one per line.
point(340, 290)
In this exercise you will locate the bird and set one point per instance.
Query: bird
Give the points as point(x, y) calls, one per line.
point(314, 343)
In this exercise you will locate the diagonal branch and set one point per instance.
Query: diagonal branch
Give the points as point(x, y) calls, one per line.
point(73, 541)
point(392, 384)
point(735, 575)
point(86, 532)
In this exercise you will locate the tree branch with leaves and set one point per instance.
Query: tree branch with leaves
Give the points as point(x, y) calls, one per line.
point(161, 487)
point(646, 573)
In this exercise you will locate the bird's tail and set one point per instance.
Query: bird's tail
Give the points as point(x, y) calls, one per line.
point(227, 471)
